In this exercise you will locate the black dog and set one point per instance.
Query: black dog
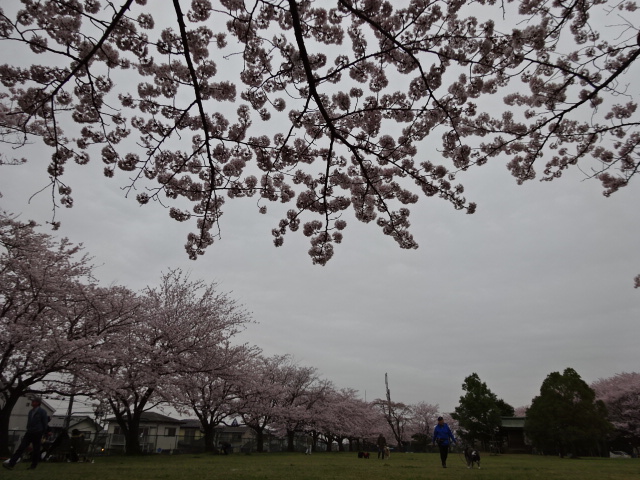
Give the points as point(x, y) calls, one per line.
point(471, 456)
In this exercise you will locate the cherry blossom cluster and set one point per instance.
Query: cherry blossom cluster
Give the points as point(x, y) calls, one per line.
point(325, 105)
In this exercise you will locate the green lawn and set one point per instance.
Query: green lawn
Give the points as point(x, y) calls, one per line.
point(329, 466)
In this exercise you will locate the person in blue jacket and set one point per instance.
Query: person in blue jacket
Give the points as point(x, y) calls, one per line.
point(443, 436)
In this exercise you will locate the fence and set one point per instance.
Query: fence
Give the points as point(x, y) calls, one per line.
point(102, 443)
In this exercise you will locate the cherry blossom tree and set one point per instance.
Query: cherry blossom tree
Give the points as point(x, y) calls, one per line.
point(520, 411)
point(261, 394)
point(210, 392)
point(52, 314)
point(424, 419)
point(325, 106)
point(181, 322)
point(621, 395)
point(302, 390)
point(344, 416)
point(278, 396)
point(398, 415)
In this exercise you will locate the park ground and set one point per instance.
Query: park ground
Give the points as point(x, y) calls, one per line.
point(329, 466)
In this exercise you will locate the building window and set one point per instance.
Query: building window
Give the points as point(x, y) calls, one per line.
point(170, 431)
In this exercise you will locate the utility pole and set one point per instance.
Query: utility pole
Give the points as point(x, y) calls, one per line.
point(393, 421)
point(386, 384)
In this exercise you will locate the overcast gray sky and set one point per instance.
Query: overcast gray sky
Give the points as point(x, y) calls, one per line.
point(539, 279)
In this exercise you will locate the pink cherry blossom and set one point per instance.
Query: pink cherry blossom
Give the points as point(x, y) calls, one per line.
point(321, 104)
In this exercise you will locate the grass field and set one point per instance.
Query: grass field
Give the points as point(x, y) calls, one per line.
point(330, 466)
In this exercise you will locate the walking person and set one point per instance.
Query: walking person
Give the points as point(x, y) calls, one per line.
point(443, 436)
point(309, 440)
point(37, 423)
point(382, 442)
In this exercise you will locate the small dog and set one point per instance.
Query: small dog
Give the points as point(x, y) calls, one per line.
point(386, 453)
point(363, 455)
point(471, 456)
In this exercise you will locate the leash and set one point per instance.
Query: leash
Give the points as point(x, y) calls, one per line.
point(461, 456)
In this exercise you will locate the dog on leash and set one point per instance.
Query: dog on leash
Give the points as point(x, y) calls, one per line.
point(471, 456)
point(386, 453)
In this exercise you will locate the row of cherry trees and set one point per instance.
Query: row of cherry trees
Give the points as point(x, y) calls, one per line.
point(62, 333)
point(171, 344)
point(55, 318)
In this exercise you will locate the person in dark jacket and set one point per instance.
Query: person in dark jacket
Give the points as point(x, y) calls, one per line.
point(382, 442)
point(76, 445)
point(37, 423)
point(443, 436)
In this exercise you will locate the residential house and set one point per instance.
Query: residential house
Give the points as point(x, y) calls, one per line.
point(83, 423)
point(191, 438)
point(158, 433)
point(240, 437)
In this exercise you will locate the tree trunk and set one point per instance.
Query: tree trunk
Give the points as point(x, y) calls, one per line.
point(132, 439)
point(209, 438)
point(131, 432)
point(128, 417)
point(290, 441)
point(353, 442)
point(259, 441)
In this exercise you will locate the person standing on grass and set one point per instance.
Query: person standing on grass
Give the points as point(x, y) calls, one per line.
point(382, 442)
point(442, 435)
point(37, 423)
point(309, 444)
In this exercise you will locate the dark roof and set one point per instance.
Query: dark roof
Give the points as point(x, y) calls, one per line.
point(513, 422)
point(152, 417)
point(57, 421)
point(191, 423)
point(238, 429)
point(195, 423)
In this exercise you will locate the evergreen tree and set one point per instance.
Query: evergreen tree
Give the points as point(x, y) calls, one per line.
point(566, 417)
point(506, 410)
point(479, 411)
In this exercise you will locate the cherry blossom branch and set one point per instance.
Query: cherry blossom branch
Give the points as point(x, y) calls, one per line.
point(84, 62)
point(335, 133)
point(203, 118)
